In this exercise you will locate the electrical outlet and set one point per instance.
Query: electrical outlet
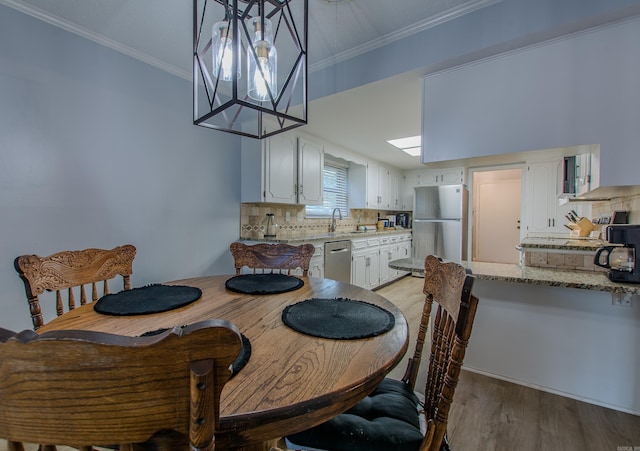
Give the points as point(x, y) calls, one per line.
point(622, 299)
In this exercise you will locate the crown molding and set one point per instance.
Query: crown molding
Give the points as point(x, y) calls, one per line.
point(59, 22)
point(95, 37)
point(445, 16)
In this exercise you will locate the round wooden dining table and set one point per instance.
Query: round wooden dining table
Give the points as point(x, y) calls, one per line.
point(292, 381)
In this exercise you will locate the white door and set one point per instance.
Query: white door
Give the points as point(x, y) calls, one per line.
point(496, 222)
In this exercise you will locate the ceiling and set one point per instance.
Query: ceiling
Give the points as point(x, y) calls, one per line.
point(159, 32)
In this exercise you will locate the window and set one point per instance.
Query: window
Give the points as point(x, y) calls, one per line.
point(335, 192)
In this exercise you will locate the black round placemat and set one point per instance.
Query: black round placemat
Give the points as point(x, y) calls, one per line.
point(340, 318)
point(237, 364)
point(145, 300)
point(263, 283)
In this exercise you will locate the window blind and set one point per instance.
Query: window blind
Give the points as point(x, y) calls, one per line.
point(335, 192)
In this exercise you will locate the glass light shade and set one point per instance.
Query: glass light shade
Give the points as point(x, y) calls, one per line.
point(262, 77)
point(223, 52)
point(263, 101)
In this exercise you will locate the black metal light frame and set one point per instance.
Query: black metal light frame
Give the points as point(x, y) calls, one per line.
point(225, 105)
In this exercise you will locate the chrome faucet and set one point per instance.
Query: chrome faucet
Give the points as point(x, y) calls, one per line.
point(333, 219)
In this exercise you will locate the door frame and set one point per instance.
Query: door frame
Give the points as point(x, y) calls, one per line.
point(471, 172)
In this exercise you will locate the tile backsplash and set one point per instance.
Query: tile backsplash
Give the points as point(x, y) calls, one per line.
point(628, 203)
point(293, 223)
point(561, 260)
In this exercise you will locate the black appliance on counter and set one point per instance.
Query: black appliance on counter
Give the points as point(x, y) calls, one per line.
point(622, 260)
point(403, 220)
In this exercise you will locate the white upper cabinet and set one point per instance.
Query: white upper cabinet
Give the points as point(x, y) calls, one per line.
point(447, 176)
point(373, 185)
point(284, 168)
point(393, 189)
point(426, 177)
point(382, 187)
point(409, 181)
point(310, 171)
point(583, 174)
point(281, 169)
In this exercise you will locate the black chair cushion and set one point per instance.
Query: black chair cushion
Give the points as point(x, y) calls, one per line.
point(386, 420)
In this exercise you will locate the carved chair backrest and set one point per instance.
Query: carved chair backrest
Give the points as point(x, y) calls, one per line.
point(83, 388)
point(280, 257)
point(69, 270)
point(449, 286)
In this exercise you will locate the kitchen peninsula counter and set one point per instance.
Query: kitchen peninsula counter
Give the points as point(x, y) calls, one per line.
point(587, 280)
point(561, 244)
point(330, 236)
point(556, 330)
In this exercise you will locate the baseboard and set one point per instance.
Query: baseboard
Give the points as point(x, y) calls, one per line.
point(555, 392)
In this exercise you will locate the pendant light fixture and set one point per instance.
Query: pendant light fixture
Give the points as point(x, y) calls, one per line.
point(268, 93)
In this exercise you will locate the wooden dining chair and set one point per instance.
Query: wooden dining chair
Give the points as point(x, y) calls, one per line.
point(83, 389)
point(279, 257)
point(390, 417)
point(72, 270)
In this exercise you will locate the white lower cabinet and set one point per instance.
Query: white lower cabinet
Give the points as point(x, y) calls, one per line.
point(370, 259)
point(385, 258)
point(401, 249)
point(359, 268)
point(365, 262)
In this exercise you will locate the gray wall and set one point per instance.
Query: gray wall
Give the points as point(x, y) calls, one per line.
point(98, 149)
point(504, 25)
point(577, 90)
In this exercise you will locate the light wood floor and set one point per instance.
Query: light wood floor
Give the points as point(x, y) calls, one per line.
point(493, 415)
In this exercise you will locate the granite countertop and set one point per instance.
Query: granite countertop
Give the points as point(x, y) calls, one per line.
point(586, 280)
point(561, 243)
point(331, 236)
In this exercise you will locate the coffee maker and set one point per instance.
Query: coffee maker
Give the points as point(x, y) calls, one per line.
point(622, 259)
point(403, 220)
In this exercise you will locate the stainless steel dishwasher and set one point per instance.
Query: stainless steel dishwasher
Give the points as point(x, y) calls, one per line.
point(337, 260)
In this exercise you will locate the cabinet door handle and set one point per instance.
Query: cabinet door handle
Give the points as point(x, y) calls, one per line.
point(548, 222)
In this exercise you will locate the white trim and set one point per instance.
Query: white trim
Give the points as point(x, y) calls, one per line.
point(552, 391)
point(543, 43)
point(445, 16)
point(71, 27)
point(95, 37)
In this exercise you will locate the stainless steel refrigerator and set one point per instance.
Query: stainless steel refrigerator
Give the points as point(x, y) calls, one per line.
point(440, 222)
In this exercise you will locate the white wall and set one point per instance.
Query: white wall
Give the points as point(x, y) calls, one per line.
point(568, 341)
point(98, 149)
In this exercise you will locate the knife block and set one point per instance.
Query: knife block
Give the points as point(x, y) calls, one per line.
point(582, 228)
